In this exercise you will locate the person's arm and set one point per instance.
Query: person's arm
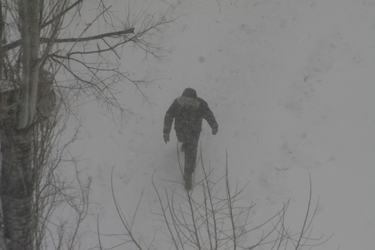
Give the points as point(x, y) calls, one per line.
point(210, 118)
point(168, 120)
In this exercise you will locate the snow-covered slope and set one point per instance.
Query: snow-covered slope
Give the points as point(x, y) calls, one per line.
point(291, 84)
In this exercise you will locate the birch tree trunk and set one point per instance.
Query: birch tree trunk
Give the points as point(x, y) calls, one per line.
point(16, 140)
point(17, 189)
point(28, 12)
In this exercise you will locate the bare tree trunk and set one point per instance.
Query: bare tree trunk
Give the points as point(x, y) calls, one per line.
point(29, 13)
point(16, 140)
point(1, 41)
point(17, 188)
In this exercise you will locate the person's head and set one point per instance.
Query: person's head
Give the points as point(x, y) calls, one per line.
point(189, 92)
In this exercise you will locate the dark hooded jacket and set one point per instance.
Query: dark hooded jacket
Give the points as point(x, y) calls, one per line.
point(188, 111)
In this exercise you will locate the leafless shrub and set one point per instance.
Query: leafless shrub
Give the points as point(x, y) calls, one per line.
point(54, 191)
point(205, 218)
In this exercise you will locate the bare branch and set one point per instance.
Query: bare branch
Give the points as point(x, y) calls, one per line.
point(90, 38)
point(61, 14)
point(124, 222)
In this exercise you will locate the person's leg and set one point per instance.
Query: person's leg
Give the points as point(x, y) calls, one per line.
point(191, 147)
point(181, 137)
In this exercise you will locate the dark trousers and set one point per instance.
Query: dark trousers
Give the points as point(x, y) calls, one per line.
point(190, 145)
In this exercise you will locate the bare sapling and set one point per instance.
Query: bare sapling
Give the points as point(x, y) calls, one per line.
point(212, 216)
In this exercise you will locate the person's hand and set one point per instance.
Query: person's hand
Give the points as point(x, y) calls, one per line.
point(166, 138)
point(214, 131)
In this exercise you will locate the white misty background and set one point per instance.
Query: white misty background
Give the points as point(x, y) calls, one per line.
point(291, 84)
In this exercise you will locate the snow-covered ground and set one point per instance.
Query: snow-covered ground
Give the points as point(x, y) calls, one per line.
point(291, 84)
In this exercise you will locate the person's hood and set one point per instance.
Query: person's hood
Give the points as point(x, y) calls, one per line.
point(189, 92)
point(188, 101)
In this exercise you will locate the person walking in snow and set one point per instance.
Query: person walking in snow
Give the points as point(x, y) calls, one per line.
point(188, 110)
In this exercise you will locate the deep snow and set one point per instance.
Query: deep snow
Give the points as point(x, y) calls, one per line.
point(291, 84)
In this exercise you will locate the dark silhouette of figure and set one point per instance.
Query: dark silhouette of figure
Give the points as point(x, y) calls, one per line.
point(188, 110)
